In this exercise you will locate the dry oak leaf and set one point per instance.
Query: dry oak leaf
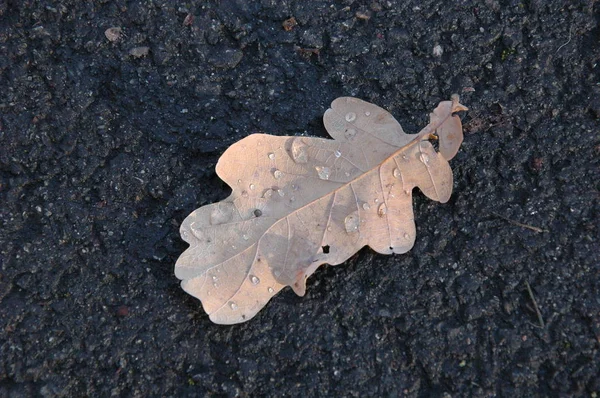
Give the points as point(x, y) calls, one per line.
point(299, 202)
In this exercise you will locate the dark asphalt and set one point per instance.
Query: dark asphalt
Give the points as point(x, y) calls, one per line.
point(106, 146)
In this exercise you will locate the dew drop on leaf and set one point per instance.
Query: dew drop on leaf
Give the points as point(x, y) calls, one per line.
point(277, 174)
point(271, 155)
point(233, 305)
point(423, 157)
point(254, 280)
point(350, 116)
point(323, 172)
point(268, 193)
point(337, 154)
point(281, 193)
point(351, 222)
point(366, 206)
point(197, 232)
point(270, 290)
point(299, 151)
point(397, 174)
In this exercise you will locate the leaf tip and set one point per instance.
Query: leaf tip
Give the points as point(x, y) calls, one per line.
point(456, 105)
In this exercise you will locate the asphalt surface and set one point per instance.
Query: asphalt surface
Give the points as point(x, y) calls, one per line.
point(108, 140)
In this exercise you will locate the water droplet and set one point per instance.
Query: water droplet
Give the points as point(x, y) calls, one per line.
point(221, 213)
point(271, 155)
point(423, 157)
point(350, 116)
point(349, 134)
point(382, 210)
point(245, 237)
point(366, 206)
point(184, 234)
point(255, 280)
point(281, 193)
point(376, 200)
point(197, 232)
point(215, 284)
point(252, 186)
point(404, 157)
point(367, 113)
point(407, 191)
point(270, 290)
point(299, 151)
point(337, 154)
point(214, 278)
point(277, 174)
point(406, 236)
point(268, 193)
point(323, 172)
point(239, 181)
point(397, 174)
point(351, 222)
point(329, 228)
point(233, 306)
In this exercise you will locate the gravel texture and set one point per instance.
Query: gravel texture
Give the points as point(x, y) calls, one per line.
point(108, 140)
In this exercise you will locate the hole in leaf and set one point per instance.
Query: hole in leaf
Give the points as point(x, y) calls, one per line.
point(257, 213)
point(325, 249)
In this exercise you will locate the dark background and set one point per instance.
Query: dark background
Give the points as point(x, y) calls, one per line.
point(103, 154)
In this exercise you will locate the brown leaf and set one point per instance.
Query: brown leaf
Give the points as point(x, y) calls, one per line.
point(289, 24)
point(299, 202)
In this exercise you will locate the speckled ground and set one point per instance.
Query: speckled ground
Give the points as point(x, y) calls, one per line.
point(105, 147)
